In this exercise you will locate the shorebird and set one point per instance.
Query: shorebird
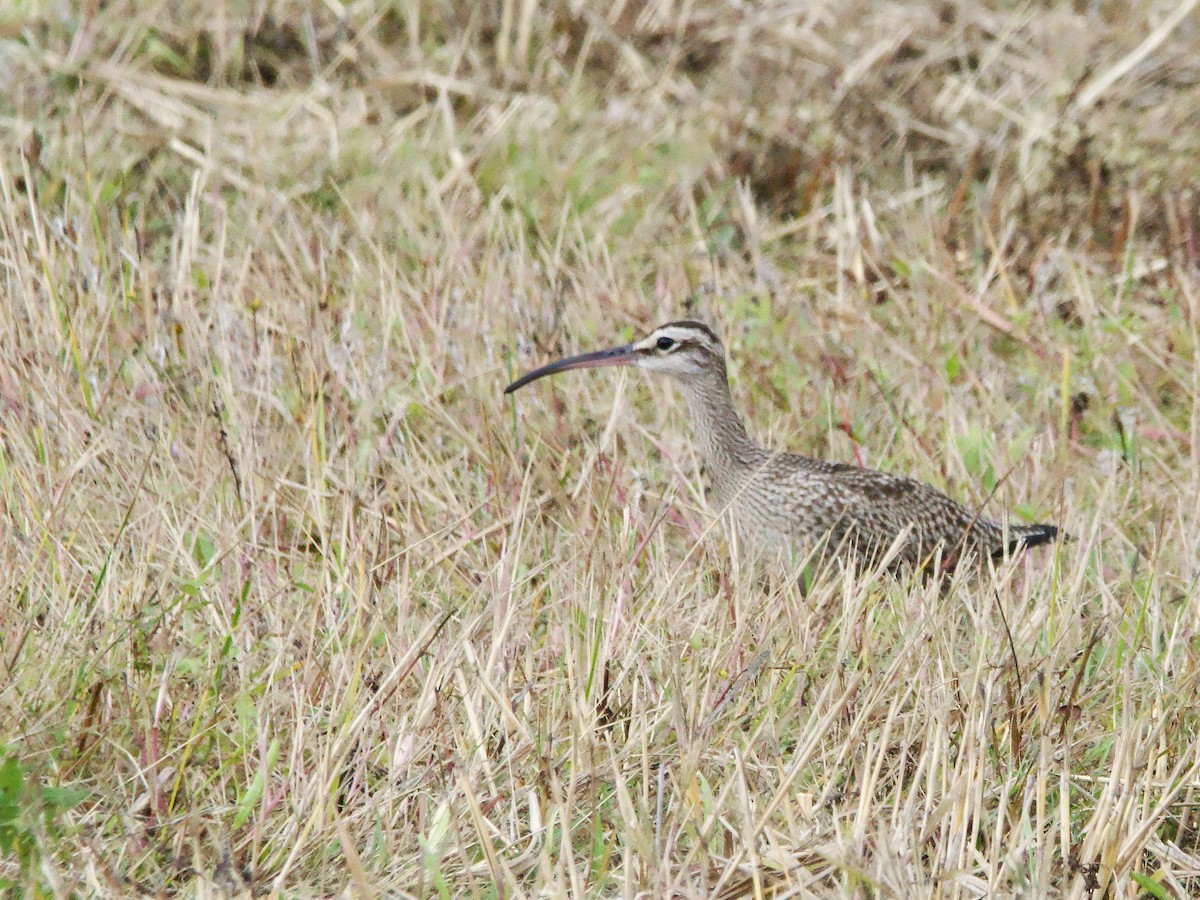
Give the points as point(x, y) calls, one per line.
point(778, 500)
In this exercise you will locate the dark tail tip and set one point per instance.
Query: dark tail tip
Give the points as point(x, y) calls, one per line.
point(1029, 536)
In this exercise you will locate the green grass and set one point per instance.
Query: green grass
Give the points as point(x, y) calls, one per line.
point(291, 597)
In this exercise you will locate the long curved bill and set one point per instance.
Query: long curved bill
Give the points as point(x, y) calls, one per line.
point(616, 356)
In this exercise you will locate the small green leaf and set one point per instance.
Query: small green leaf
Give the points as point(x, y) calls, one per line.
point(1150, 886)
point(249, 799)
point(272, 754)
point(975, 449)
point(64, 797)
point(952, 366)
point(203, 550)
point(10, 780)
point(247, 714)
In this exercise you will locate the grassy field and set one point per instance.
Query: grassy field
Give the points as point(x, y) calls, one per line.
point(293, 599)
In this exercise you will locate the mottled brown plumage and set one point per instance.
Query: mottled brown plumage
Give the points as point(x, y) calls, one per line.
point(784, 500)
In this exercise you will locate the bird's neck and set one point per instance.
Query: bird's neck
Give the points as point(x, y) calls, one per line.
point(720, 434)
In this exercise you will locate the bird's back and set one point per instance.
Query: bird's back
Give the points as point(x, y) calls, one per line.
point(780, 499)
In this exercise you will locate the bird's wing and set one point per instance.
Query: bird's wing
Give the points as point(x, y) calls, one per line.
point(876, 507)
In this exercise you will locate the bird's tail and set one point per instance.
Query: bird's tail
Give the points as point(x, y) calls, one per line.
point(1021, 537)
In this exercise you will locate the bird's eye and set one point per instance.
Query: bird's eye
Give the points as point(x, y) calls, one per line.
point(665, 343)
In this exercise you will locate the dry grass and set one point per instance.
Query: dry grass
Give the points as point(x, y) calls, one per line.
point(293, 599)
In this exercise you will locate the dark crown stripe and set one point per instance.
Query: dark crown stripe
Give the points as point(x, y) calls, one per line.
point(697, 326)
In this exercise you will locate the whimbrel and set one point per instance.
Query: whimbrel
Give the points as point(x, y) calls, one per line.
point(780, 500)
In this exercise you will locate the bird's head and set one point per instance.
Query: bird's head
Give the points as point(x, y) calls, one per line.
point(684, 350)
